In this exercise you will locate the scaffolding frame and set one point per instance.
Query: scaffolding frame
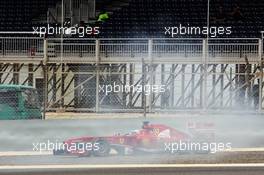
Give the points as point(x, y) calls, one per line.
point(197, 73)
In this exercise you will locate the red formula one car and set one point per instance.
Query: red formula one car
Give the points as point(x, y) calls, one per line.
point(149, 139)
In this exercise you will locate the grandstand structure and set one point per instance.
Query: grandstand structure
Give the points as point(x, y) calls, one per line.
point(197, 72)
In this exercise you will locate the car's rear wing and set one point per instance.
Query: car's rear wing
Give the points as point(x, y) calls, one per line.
point(204, 131)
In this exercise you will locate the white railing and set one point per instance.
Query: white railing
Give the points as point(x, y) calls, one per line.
point(124, 49)
point(21, 47)
point(69, 49)
point(233, 49)
point(178, 48)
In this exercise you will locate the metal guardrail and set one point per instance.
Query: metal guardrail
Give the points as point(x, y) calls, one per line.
point(85, 49)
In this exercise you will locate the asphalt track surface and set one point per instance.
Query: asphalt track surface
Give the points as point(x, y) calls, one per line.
point(227, 157)
point(146, 169)
point(241, 131)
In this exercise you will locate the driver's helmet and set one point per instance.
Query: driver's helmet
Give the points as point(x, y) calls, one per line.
point(145, 125)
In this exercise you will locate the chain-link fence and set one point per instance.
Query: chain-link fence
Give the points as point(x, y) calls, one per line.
point(129, 75)
point(30, 90)
point(138, 87)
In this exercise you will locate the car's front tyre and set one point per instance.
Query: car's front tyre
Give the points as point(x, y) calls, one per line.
point(101, 148)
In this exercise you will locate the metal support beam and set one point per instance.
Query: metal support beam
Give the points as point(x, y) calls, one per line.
point(222, 85)
point(45, 78)
point(30, 74)
point(131, 82)
point(150, 57)
point(231, 87)
point(183, 86)
point(162, 101)
point(214, 81)
point(261, 74)
point(15, 79)
point(97, 56)
point(62, 85)
point(144, 105)
point(173, 76)
point(124, 95)
point(192, 85)
point(205, 67)
point(201, 86)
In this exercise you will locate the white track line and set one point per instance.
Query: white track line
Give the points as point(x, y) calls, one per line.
point(245, 150)
point(24, 153)
point(16, 32)
point(34, 167)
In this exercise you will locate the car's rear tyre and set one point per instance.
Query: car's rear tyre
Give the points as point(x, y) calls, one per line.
point(101, 148)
